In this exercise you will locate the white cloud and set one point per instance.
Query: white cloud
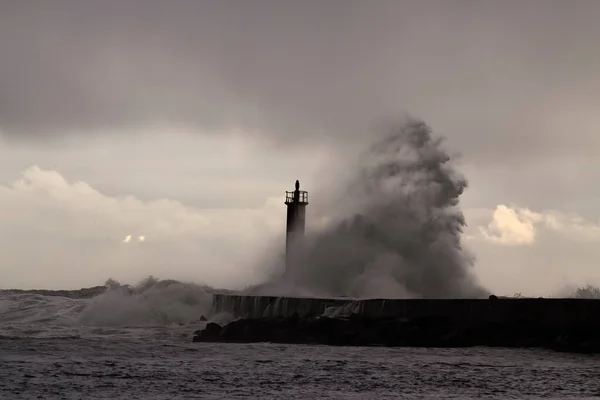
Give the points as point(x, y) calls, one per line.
point(511, 226)
point(536, 253)
point(519, 226)
point(67, 234)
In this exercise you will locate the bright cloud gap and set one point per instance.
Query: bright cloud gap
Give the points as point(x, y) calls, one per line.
point(140, 238)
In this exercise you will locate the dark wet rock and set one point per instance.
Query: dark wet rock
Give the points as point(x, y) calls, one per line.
point(201, 319)
point(422, 332)
point(211, 333)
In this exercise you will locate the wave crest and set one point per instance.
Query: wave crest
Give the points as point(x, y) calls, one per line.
point(152, 302)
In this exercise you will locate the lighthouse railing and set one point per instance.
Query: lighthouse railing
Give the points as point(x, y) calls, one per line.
point(302, 197)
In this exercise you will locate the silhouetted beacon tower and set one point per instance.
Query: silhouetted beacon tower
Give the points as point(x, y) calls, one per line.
point(296, 203)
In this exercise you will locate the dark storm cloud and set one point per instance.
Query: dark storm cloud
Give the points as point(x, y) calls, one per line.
point(298, 69)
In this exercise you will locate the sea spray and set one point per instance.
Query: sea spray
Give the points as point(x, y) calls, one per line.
point(399, 232)
point(152, 302)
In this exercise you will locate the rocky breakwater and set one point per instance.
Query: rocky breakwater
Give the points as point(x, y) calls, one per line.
point(428, 331)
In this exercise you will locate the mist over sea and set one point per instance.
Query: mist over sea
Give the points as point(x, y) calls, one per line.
point(125, 342)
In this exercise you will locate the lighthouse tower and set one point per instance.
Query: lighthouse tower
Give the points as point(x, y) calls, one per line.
point(296, 203)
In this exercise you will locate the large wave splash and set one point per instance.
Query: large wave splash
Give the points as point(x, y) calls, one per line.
point(400, 233)
point(152, 302)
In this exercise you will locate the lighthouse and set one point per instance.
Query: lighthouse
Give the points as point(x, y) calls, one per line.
point(296, 203)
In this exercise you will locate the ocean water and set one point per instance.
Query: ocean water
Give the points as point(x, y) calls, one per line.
point(138, 346)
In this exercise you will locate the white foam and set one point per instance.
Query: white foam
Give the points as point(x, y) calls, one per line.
point(151, 303)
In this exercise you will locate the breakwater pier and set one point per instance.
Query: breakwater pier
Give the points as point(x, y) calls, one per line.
point(547, 311)
point(560, 324)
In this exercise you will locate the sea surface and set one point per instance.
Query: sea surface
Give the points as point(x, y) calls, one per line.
point(138, 346)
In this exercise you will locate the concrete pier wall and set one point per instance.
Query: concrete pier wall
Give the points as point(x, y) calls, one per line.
point(557, 312)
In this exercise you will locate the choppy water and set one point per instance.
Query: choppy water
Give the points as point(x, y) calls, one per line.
point(138, 347)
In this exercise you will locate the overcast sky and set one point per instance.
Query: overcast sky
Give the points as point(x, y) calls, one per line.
point(155, 137)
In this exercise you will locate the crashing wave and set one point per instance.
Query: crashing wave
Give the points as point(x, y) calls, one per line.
point(150, 303)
